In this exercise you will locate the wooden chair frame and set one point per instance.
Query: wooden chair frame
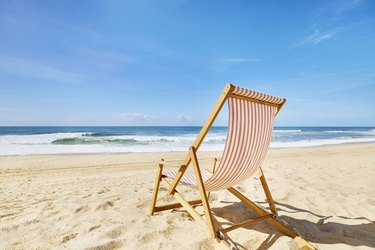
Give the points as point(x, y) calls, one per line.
point(191, 157)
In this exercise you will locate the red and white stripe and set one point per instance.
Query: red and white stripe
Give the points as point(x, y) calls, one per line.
point(188, 179)
point(256, 95)
point(250, 128)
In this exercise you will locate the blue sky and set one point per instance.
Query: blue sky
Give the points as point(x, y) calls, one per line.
point(165, 62)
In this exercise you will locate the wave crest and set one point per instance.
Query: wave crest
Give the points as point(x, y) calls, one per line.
point(287, 130)
point(80, 141)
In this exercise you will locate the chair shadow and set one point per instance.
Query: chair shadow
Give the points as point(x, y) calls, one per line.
point(321, 232)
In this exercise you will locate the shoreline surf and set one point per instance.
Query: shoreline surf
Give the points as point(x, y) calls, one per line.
point(78, 140)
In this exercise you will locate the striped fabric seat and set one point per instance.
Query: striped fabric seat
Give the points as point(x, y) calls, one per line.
point(249, 134)
point(188, 179)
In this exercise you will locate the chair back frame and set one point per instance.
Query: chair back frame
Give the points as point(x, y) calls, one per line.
point(226, 93)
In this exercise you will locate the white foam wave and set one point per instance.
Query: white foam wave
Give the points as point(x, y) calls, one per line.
point(314, 143)
point(359, 132)
point(181, 139)
point(287, 130)
point(36, 139)
point(42, 143)
point(49, 138)
point(28, 149)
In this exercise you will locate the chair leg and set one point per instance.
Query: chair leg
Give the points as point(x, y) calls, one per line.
point(203, 194)
point(267, 192)
point(213, 171)
point(156, 189)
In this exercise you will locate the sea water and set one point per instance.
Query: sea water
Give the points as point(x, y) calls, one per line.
point(60, 140)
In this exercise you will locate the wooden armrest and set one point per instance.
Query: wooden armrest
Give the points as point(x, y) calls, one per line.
point(214, 161)
point(168, 164)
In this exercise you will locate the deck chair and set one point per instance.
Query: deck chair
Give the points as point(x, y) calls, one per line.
point(250, 125)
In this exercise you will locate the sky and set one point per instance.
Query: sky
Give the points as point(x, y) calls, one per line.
point(166, 62)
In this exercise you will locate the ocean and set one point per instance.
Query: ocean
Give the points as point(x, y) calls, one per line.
point(61, 140)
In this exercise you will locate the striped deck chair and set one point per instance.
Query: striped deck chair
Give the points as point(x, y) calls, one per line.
point(250, 125)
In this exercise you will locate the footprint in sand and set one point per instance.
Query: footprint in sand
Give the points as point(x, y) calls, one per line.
point(241, 188)
point(104, 206)
point(82, 209)
point(115, 233)
point(69, 237)
point(94, 227)
point(143, 204)
point(86, 196)
point(6, 215)
point(103, 191)
point(109, 245)
point(213, 197)
point(148, 237)
point(31, 222)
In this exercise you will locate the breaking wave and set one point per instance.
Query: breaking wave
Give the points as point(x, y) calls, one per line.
point(163, 139)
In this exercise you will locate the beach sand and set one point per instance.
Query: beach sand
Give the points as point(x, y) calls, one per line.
point(102, 201)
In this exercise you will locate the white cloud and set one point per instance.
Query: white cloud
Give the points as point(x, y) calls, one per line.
point(135, 118)
point(185, 118)
point(316, 37)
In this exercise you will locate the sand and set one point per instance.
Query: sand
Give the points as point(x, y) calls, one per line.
point(102, 201)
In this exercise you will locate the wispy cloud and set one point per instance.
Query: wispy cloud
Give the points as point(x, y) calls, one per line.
point(23, 14)
point(196, 79)
point(103, 55)
point(239, 60)
point(37, 69)
point(135, 118)
point(337, 7)
point(316, 37)
point(327, 15)
point(185, 118)
point(108, 60)
point(327, 83)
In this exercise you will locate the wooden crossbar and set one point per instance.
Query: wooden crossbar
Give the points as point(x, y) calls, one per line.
point(175, 205)
point(165, 163)
point(185, 204)
point(246, 223)
point(262, 212)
